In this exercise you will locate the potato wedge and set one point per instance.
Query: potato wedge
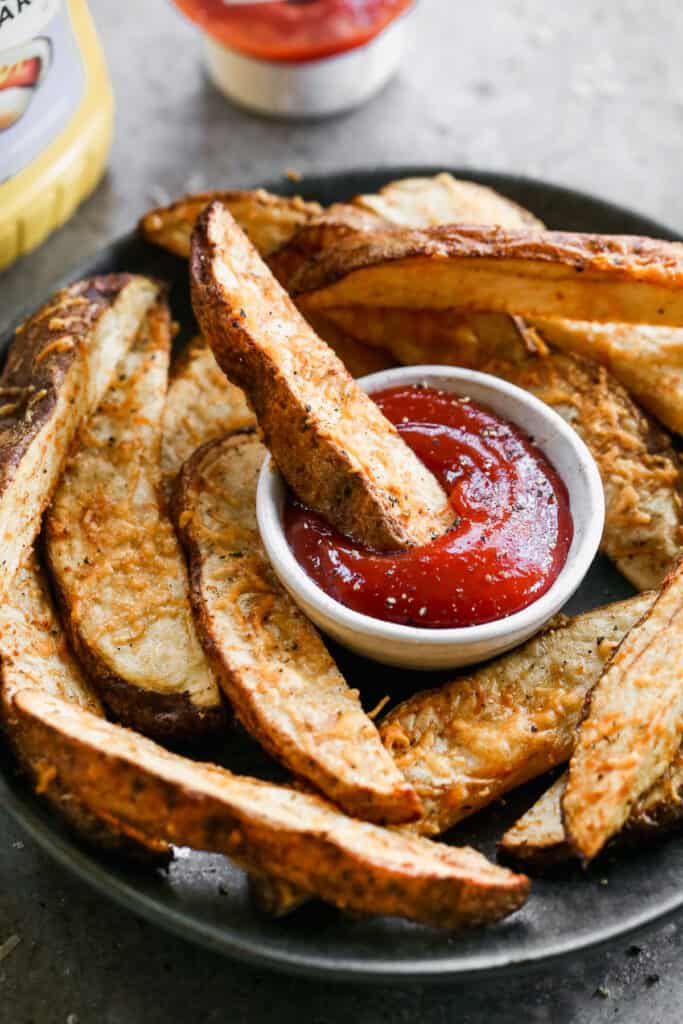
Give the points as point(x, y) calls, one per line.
point(271, 662)
point(201, 405)
point(272, 222)
point(333, 445)
point(640, 470)
point(539, 840)
point(408, 202)
point(324, 231)
point(469, 742)
point(648, 361)
point(34, 655)
point(58, 367)
point(267, 219)
point(638, 465)
point(287, 232)
point(632, 728)
point(443, 199)
point(263, 827)
point(116, 564)
point(486, 269)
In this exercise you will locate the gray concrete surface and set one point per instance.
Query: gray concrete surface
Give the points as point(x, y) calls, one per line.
point(586, 94)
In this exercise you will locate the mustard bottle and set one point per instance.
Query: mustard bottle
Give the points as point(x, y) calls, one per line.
point(56, 118)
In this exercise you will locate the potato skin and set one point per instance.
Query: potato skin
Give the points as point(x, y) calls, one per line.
point(330, 441)
point(632, 726)
point(640, 470)
point(538, 840)
point(108, 537)
point(58, 367)
point(170, 718)
point(470, 742)
point(34, 653)
point(270, 221)
point(270, 660)
point(267, 829)
point(524, 272)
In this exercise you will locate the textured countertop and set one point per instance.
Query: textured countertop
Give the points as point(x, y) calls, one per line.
point(584, 94)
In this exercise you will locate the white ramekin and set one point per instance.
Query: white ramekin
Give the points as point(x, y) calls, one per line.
point(316, 88)
point(419, 648)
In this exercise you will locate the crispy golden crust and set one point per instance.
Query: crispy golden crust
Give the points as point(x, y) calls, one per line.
point(632, 728)
point(287, 232)
point(277, 225)
point(201, 405)
point(639, 468)
point(273, 666)
point(334, 447)
point(34, 655)
point(58, 367)
point(321, 232)
point(413, 202)
point(637, 463)
point(265, 828)
point(409, 202)
point(117, 567)
point(488, 269)
point(646, 360)
point(443, 199)
point(469, 742)
point(268, 220)
point(538, 839)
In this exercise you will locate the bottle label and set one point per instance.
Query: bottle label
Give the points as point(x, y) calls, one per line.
point(21, 20)
point(42, 79)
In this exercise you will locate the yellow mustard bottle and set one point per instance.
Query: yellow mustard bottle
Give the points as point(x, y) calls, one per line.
point(56, 118)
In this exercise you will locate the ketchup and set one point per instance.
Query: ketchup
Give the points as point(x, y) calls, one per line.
point(294, 30)
point(509, 541)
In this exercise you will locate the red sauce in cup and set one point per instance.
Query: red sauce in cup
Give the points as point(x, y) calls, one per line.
point(294, 30)
point(511, 537)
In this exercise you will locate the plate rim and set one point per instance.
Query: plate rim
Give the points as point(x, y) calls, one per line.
point(100, 875)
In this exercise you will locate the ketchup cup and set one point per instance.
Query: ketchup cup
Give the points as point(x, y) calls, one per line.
point(422, 648)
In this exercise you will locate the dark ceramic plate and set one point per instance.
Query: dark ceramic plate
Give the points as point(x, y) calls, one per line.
point(205, 899)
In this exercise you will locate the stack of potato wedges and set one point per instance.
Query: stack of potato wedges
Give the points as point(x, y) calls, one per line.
point(140, 613)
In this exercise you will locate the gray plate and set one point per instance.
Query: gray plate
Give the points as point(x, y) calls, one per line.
point(205, 899)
